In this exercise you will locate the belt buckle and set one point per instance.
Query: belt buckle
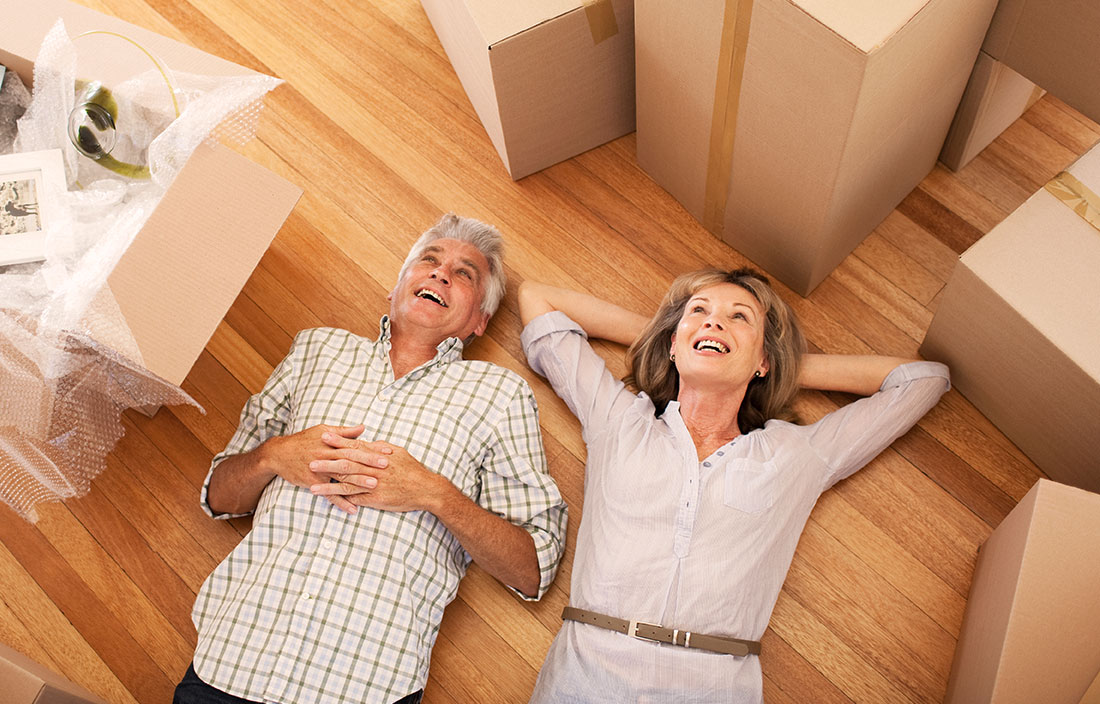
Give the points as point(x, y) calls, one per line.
point(632, 630)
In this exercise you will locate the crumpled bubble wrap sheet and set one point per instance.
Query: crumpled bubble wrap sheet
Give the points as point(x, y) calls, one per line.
point(69, 365)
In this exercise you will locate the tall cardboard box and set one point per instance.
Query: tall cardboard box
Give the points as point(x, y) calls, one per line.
point(995, 97)
point(791, 128)
point(24, 681)
point(1031, 632)
point(548, 78)
point(187, 265)
point(1019, 325)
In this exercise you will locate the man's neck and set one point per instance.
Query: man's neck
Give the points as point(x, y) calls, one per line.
point(407, 352)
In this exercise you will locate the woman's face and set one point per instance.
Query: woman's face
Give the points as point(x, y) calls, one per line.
point(719, 341)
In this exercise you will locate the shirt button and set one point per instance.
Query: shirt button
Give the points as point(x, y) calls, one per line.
point(307, 597)
point(328, 545)
point(706, 464)
point(720, 453)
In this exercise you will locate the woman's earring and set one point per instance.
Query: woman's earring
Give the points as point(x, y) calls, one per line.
point(757, 374)
point(672, 357)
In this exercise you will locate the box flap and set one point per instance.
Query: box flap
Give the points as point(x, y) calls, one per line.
point(195, 253)
point(498, 20)
point(1043, 261)
point(866, 24)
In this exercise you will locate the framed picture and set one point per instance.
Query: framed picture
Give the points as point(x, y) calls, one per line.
point(29, 183)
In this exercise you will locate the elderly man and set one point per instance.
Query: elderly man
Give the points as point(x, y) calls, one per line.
point(376, 469)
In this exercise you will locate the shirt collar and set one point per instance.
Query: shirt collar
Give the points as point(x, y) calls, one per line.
point(450, 350)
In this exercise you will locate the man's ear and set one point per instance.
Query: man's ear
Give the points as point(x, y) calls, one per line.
point(480, 329)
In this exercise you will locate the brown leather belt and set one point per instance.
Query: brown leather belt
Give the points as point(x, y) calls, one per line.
point(660, 634)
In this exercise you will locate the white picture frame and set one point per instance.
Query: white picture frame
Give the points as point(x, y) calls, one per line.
point(30, 183)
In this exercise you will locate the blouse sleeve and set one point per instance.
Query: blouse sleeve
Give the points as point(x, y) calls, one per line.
point(558, 349)
point(850, 437)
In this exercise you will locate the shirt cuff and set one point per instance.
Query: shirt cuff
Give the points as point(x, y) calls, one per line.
point(547, 324)
point(548, 551)
point(912, 371)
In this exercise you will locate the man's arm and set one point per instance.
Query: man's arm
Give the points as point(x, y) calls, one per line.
point(387, 477)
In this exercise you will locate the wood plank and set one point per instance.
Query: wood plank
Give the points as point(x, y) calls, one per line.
point(60, 646)
point(949, 227)
point(67, 589)
point(1063, 124)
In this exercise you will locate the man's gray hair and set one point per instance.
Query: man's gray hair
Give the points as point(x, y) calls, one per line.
point(486, 238)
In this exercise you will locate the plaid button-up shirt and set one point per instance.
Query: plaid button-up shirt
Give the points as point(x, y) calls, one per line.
point(319, 606)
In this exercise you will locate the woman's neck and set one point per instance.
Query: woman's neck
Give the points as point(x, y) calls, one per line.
point(710, 416)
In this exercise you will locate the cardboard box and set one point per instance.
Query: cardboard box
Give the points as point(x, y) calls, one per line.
point(1019, 325)
point(827, 115)
point(187, 265)
point(548, 78)
point(1031, 632)
point(995, 97)
point(23, 681)
point(1052, 44)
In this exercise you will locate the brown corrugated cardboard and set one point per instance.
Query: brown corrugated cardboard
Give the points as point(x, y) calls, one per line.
point(1019, 326)
point(1031, 632)
point(193, 256)
point(841, 111)
point(23, 681)
point(1054, 45)
point(548, 78)
point(995, 97)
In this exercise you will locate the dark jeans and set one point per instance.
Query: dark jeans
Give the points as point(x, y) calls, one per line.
point(192, 690)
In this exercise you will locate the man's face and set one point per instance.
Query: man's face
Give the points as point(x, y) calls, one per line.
point(442, 291)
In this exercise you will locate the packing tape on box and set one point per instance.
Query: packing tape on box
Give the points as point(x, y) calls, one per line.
point(1077, 196)
point(727, 98)
point(601, 19)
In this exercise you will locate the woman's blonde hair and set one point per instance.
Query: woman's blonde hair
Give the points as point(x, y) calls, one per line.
point(768, 396)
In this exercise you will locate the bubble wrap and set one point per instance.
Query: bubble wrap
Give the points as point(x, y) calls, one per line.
point(69, 365)
point(14, 99)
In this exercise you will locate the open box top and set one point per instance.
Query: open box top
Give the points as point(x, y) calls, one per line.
point(193, 255)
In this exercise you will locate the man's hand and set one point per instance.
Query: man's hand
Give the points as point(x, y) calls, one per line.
point(289, 456)
point(384, 476)
point(238, 481)
point(376, 474)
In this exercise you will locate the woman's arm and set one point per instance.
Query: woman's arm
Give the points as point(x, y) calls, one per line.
point(855, 374)
point(598, 318)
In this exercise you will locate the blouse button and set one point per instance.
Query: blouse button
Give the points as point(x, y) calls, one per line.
point(720, 453)
point(706, 464)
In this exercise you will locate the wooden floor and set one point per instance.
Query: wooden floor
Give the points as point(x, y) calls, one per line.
point(373, 123)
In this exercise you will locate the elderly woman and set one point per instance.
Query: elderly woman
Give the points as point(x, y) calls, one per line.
point(697, 486)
